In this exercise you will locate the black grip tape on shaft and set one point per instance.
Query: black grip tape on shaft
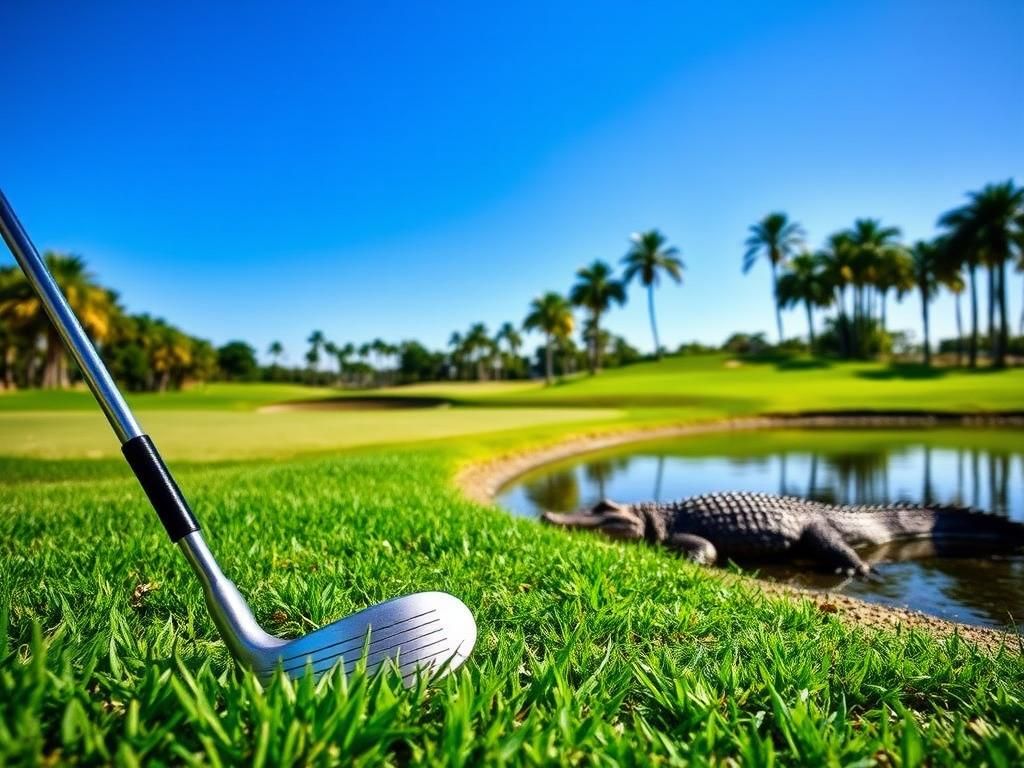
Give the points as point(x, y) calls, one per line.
point(163, 492)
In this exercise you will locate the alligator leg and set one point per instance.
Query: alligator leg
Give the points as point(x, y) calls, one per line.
point(695, 548)
point(823, 542)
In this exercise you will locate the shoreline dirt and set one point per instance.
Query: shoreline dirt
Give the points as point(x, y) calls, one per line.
point(482, 480)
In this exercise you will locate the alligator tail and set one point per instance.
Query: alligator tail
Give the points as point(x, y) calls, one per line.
point(956, 522)
point(877, 524)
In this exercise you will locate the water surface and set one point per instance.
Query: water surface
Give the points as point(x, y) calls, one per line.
point(983, 468)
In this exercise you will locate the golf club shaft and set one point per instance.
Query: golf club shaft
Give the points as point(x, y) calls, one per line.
point(136, 446)
point(227, 607)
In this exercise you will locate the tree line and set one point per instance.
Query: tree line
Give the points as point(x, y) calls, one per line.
point(142, 352)
point(859, 268)
point(597, 289)
point(854, 272)
point(476, 354)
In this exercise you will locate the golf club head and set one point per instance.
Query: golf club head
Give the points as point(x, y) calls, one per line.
point(422, 633)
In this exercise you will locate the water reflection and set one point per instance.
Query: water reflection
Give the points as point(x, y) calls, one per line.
point(555, 490)
point(964, 584)
point(837, 478)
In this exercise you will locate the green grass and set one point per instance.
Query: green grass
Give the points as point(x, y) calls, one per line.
point(590, 652)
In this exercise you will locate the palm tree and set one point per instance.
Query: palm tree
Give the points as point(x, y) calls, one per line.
point(364, 351)
point(8, 337)
point(775, 238)
point(647, 258)
point(276, 351)
point(949, 274)
point(8, 350)
point(990, 230)
point(94, 305)
point(1020, 268)
point(836, 269)
point(550, 314)
point(171, 354)
point(343, 353)
point(508, 334)
point(379, 348)
point(478, 345)
point(316, 342)
point(802, 282)
point(455, 342)
point(391, 354)
point(870, 241)
point(596, 289)
point(894, 271)
point(924, 261)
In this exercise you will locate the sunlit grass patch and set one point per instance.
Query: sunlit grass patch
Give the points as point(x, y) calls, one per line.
point(586, 646)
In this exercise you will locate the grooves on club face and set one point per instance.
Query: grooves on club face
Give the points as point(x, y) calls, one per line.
point(426, 632)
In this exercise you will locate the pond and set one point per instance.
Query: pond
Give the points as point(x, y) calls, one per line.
point(983, 468)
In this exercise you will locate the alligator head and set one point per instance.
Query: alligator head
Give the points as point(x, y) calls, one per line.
point(623, 521)
point(619, 521)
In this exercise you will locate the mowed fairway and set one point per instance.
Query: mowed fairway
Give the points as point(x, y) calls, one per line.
point(222, 435)
point(590, 651)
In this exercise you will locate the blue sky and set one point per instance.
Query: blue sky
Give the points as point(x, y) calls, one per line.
point(402, 170)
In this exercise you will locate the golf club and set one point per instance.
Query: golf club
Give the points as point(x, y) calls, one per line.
point(424, 633)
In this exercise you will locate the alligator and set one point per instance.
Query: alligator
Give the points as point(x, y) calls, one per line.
point(765, 526)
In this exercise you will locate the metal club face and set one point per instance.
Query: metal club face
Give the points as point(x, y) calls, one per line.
point(420, 634)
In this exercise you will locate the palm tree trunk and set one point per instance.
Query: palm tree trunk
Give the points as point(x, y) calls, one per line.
point(1022, 309)
point(51, 368)
point(854, 329)
point(549, 359)
point(810, 325)
point(8, 361)
point(844, 323)
point(1004, 325)
point(972, 352)
point(595, 352)
point(654, 323)
point(924, 318)
point(775, 295)
point(883, 295)
point(959, 332)
point(992, 311)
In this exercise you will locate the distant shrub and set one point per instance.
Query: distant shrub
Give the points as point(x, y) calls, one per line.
point(746, 344)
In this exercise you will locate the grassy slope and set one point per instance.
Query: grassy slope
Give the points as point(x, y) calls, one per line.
point(586, 647)
point(788, 386)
